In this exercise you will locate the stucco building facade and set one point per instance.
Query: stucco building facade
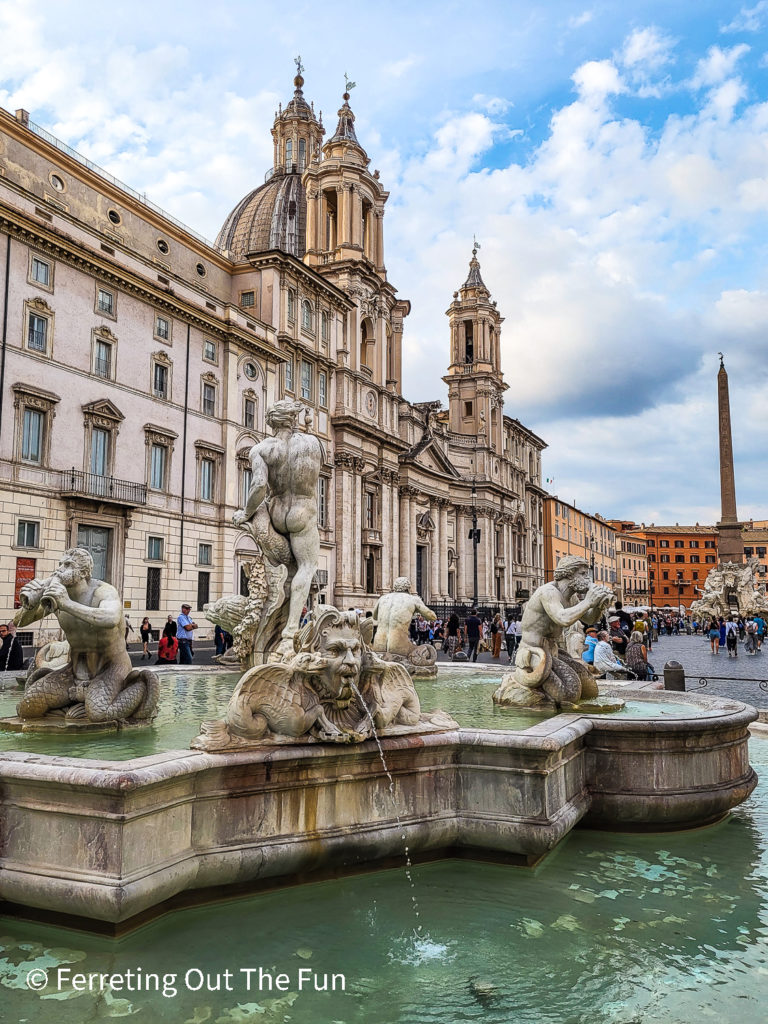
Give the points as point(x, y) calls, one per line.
point(569, 531)
point(138, 360)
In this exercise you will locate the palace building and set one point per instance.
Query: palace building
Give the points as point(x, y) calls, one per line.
point(138, 361)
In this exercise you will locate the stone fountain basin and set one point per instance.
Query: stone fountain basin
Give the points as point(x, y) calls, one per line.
point(115, 842)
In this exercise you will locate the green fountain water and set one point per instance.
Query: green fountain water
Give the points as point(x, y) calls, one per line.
point(189, 698)
point(609, 929)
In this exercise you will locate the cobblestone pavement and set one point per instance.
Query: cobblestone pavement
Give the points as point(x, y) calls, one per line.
point(738, 677)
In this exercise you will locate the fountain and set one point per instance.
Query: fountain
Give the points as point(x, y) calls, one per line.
point(285, 781)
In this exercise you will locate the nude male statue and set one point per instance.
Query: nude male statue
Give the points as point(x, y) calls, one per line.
point(392, 615)
point(539, 662)
point(97, 683)
point(285, 471)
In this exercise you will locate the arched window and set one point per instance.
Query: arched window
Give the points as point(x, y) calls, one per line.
point(469, 342)
point(366, 344)
point(288, 154)
point(306, 315)
point(302, 154)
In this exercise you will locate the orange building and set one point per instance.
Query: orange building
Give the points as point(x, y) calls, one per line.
point(569, 531)
point(679, 558)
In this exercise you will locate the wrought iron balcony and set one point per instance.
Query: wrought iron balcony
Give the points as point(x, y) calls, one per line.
point(75, 482)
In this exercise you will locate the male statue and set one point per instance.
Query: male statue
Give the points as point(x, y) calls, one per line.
point(392, 615)
point(97, 683)
point(285, 469)
point(540, 664)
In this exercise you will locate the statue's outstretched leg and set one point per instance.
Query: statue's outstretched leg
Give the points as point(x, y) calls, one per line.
point(109, 699)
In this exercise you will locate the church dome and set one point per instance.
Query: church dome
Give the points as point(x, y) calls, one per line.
point(272, 216)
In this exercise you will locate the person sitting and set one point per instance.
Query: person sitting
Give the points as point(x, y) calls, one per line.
point(618, 636)
point(637, 656)
point(606, 663)
point(590, 639)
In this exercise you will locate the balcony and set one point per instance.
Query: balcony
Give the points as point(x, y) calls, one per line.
point(76, 483)
point(371, 536)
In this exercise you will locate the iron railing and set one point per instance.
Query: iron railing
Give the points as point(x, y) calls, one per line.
point(92, 485)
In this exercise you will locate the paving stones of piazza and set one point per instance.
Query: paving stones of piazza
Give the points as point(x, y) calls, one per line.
point(140, 360)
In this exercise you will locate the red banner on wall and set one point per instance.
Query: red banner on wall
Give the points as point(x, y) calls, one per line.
point(25, 573)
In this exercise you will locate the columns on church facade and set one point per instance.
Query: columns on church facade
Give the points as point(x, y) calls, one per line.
point(345, 492)
point(405, 532)
point(443, 506)
point(436, 553)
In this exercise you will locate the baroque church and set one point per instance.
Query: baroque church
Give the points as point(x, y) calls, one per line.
point(138, 361)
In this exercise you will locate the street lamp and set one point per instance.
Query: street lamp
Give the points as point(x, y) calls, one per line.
point(592, 548)
point(680, 595)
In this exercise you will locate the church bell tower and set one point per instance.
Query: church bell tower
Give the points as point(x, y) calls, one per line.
point(475, 383)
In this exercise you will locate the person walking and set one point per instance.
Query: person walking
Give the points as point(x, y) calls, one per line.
point(452, 638)
point(185, 634)
point(218, 639)
point(721, 631)
point(496, 635)
point(169, 629)
point(731, 638)
point(11, 651)
point(714, 635)
point(474, 627)
point(512, 637)
point(145, 629)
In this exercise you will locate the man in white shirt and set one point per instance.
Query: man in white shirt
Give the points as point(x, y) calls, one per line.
point(606, 662)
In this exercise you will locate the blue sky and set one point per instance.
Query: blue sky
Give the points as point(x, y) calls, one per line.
point(611, 158)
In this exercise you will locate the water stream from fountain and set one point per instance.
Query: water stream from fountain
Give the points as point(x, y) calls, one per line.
point(403, 836)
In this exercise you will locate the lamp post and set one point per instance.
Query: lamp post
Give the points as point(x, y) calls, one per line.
point(592, 548)
point(680, 595)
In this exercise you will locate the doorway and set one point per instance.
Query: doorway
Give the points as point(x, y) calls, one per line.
point(97, 540)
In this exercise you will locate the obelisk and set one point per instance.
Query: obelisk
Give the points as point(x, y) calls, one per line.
point(730, 542)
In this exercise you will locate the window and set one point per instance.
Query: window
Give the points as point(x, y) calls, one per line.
point(250, 370)
point(557, 529)
point(324, 326)
point(664, 558)
point(370, 510)
point(249, 413)
point(163, 246)
point(289, 154)
point(32, 436)
point(679, 558)
point(709, 543)
point(679, 543)
point(209, 399)
point(200, 268)
point(666, 590)
point(748, 552)
point(37, 333)
point(28, 533)
point(665, 575)
point(246, 480)
point(322, 389)
point(209, 351)
point(468, 408)
point(711, 559)
point(302, 153)
point(695, 558)
point(102, 360)
point(322, 502)
point(155, 549)
point(693, 544)
point(306, 379)
point(41, 272)
point(105, 302)
point(760, 552)
point(114, 216)
point(291, 304)
point(289, 374)
point(204, 554)
point(663, 543)
point(99, 451)
point(207, 468)
point(160, 380)
point(306, 316)
point(203, 589)
point(158, 462)
point(153, 588)
point(247, 299)
point(162, 328)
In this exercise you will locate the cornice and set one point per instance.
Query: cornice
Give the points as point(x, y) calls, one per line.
point(74, 254)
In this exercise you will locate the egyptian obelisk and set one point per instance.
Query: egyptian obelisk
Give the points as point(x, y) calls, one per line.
point(730, 542)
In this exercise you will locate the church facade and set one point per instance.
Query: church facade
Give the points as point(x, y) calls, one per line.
point(138, 361)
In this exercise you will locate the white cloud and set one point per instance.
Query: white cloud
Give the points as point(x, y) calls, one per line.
point(597, 79)
point(749, 19)
point(578, 20)
point(717, 65)
point(648, 47)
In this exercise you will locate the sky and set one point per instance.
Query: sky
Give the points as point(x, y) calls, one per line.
point(610, 158)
